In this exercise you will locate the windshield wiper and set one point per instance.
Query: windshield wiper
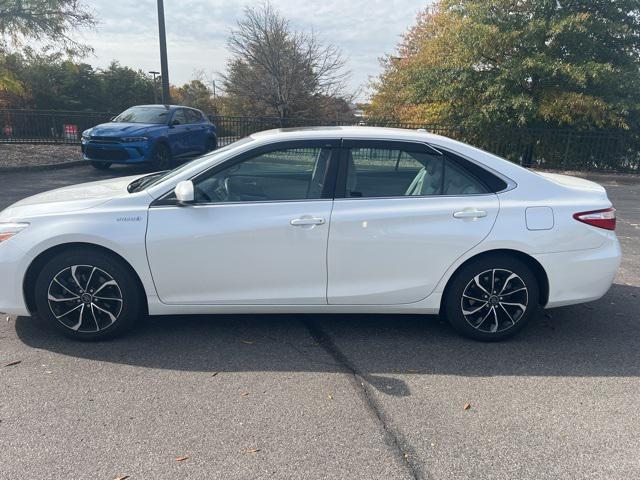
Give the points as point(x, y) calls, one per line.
point(142, 182)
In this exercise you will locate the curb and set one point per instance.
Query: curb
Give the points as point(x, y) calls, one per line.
point(36, 168)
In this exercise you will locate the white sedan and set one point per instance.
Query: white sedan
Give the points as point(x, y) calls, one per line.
point(336, 219)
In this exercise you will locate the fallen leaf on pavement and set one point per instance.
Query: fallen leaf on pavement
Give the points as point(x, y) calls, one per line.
point(330, 396)
point(248, 342)
point(244, 394)
point(11, 364)
point(253, 450)
point(467, 406)
point(214, 374)
point(124, 477)
point(181, 459)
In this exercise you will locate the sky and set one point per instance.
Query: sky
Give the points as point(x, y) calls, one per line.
point(197, 31)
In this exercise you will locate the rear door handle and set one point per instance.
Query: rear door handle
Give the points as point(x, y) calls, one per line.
point(304, 221)
point(470, 213)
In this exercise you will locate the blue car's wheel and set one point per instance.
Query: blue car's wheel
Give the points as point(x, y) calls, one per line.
point(100, 165)
point(161, 158)
point(211, 145)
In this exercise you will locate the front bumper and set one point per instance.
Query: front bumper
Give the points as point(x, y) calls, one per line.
point(583, 275)
point(13, 266)
point(133, 152)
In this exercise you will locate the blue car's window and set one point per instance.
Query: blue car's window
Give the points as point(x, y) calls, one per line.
point(193, 116)
point(156, 115)
point(179, 117)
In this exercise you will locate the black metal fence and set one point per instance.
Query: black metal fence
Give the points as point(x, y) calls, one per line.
point(567, 149)
point(45, 126)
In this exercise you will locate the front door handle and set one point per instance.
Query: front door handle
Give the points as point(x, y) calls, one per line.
point(305, 221)
point(470, 213)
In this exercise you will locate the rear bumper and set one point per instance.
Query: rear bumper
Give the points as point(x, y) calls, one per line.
point(137, 152)
point(581, 276)
point(13, 265)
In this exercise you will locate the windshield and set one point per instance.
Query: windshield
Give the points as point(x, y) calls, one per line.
point(156, 115)
point(155, 178)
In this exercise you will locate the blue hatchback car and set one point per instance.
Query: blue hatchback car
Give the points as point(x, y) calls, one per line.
point(155, 134)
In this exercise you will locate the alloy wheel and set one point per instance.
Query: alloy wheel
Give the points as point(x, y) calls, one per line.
point(85, 298)
point(494, 300)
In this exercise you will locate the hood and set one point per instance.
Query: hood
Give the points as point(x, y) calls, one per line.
point(68, 199)
point(574, 183)
point(117, 129)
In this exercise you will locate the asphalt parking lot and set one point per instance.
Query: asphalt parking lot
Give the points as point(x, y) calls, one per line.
point(328, 396)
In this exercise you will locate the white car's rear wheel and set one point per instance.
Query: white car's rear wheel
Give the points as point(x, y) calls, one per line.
point(87, 295)
point(492, 298)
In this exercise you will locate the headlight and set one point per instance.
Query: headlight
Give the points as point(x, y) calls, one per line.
point(134, 139)
point(8, 230)
point(86, 135)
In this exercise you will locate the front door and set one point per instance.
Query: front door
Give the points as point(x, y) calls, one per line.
point(256, 234)
point(179, 133)
point(407, 214)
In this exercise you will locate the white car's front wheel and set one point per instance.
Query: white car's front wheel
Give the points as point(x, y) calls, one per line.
point(492, 297)
point(87, 294)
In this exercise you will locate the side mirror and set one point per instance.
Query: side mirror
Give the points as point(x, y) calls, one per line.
point(185, 192)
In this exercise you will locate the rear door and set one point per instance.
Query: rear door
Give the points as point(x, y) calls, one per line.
point(197, 131)
point(179, 133)
point(407, 212)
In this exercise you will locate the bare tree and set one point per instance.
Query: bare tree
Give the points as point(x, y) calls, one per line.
point(275, 70)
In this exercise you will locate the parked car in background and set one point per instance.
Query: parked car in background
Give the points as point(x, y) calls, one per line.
point(333, 220)
point(155, 134)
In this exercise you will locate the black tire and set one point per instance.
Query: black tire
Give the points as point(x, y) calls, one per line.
point(94, 273)
point(475, 311)
point(100, 165)
point(161, 158)
point(211, 144)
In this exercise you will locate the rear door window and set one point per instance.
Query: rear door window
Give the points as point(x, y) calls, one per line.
point(395, 169)
point(179, 117)
point(193, 116)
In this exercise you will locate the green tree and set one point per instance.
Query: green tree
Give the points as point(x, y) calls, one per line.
point(195, 94)
point(53, 82)
point(123, 87)
point(48, 22)
point(480, 63)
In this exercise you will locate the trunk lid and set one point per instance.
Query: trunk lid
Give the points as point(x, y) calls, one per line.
point(575, 183)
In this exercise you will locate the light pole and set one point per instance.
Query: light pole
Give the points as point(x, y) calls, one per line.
point(164, 64)
point(155, 85)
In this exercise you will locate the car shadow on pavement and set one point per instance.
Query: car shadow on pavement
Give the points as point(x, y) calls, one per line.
point(596, 339)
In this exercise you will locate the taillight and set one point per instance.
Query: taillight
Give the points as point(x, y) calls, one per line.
point(605, 218)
